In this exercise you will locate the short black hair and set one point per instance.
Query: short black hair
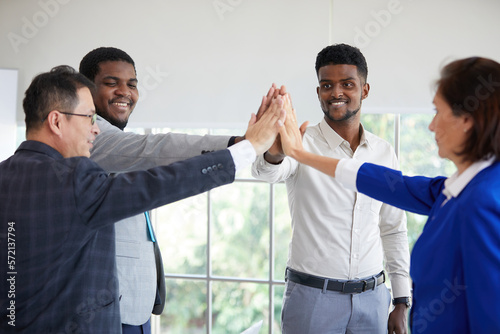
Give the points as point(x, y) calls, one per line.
point(340, 54)
point(89, 66)
point(54, 90)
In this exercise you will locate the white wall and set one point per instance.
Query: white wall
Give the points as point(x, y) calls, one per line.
point(8, 93)
point(207, 62)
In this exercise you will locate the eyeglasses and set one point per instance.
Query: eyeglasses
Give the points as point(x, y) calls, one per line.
point(93, 117)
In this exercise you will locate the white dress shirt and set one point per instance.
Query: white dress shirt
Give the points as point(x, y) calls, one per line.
point(336, 232)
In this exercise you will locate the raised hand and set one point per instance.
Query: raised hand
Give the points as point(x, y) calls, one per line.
point(273, 93)
point(291, 134)
point(262, 132)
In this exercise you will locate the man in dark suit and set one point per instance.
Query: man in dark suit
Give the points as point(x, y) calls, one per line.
point(57, 208)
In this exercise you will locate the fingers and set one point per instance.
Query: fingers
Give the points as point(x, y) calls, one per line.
point(271, 91)
point(263, 106)
point(266, 100)
point(282, 118)
point(281, 91)
point(253, 120)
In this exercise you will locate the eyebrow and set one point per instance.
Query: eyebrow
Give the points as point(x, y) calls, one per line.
point(346, 79)
point(118, 79)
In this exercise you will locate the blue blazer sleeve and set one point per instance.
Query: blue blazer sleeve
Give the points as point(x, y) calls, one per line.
point(415, 194)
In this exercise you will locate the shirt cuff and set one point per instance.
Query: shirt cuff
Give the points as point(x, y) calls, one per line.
point(243, 154)
point(400, 287)
point(347, 173)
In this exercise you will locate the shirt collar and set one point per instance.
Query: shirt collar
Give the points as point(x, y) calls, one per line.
point(39, 147)
point(334, 140)
point(454, 185)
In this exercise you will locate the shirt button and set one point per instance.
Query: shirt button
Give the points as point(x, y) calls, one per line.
point(214, 167)
point(204, 170)
point(220, 166)
point(209, 169)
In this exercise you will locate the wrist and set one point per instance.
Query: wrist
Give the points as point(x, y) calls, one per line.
point(274, 158)
point(402, 302)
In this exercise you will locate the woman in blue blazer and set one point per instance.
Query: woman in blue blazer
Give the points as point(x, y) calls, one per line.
point(455, 264)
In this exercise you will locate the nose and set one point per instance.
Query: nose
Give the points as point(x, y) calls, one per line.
point(431, 124)
point(95, 129)
point(337, 91)
point(123, 90)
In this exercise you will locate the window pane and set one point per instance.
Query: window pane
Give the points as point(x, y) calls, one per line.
point(185, 308)
point(419, 156)
point(419, 153)
point(381, 125)
point(181, 229)
point(237, 306)
point(282, 230)
point(240, 230)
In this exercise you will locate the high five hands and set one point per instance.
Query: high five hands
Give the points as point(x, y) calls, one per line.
point(274, 129)
point(291, 134)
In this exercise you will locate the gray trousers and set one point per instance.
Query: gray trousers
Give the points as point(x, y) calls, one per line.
point(309, 310)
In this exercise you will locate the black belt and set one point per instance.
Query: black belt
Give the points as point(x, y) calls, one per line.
point(335, 285)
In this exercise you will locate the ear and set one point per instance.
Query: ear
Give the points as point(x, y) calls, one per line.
point(54, 122)
point(365, 91)
point(317, 92)
point(468, 121)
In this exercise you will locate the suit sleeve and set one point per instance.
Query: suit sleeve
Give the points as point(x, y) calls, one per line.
point(118, 151)
point(480, 247)
point(103, 199)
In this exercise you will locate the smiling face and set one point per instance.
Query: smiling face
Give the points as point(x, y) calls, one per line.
point(116, 92)
point(450, 131)
point(79, 133)
point(340, 92)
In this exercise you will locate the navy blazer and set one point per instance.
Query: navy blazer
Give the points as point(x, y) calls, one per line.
point(57, 220)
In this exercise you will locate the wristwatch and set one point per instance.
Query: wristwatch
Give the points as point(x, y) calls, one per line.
point(402, 300)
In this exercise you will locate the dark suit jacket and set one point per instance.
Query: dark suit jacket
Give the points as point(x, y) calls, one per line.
point(63, 211)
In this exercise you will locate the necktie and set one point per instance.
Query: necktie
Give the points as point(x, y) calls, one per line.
point(150, 229)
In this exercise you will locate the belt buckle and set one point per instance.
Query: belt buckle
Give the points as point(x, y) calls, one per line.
point(365, 284)
point(352, 287)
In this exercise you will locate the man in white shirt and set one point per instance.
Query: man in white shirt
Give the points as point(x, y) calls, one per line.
point(340, 238)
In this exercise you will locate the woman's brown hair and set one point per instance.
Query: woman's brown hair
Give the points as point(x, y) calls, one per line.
point(471, 86)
